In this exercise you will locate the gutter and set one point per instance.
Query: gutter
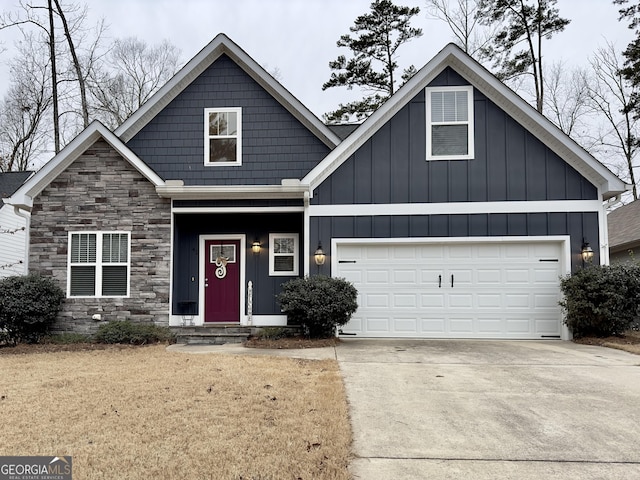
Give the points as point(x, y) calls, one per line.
point(175, 189)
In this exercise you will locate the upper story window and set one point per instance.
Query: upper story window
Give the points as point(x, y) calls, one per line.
point(98, 264)
point(223, 136)
point(449, 123)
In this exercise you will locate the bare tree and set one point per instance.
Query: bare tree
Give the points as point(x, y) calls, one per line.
point(566, 102)
point(610, 96)
point(131, 73)
point(462, 18)
point(23, 134)
point(67, 72)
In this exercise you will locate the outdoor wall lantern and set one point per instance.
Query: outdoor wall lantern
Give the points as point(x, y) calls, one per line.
point(255, 246)
point(319, 255)
point(586, 252)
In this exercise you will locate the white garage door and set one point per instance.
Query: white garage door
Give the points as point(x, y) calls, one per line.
point(449, 290)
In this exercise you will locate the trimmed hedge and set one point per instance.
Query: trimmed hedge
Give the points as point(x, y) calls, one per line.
point(602, 300)
point(132, 333)
point(319, 304)
point(29, 304)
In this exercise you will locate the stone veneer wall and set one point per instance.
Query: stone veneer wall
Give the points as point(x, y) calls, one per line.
point(102, 191)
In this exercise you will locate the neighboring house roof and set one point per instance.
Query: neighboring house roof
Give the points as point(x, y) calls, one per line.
point(624, 226)
point(222, 45)
point(24, 195)
point(10, 182)
point(539, 126)
point(343, 130)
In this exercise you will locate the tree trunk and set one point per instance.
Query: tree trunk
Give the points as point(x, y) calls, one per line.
point(54, 80)
point(76, 64)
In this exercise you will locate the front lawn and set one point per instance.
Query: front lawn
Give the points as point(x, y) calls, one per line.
point(147, 413)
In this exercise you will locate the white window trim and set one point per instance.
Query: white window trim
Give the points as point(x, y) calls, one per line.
point(272, 255)
point(98, 263)
point(469, 122)
point(238, 137)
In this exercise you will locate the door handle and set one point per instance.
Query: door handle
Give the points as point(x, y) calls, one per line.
point(452, 280)
point(439, 281)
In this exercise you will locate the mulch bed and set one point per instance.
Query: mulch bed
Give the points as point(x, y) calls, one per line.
point(291, 342)
point(628, 339)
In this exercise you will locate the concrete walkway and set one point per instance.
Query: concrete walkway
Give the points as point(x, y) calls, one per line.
point(485, 410)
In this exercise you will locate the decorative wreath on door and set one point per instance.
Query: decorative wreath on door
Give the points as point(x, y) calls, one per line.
point(221, 263)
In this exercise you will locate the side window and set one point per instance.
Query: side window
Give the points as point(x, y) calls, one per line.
point(222, 136)
point(449, 123)
point(283, 254)
point(98, 264)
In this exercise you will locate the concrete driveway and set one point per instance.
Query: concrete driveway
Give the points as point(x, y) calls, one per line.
point(492, 410)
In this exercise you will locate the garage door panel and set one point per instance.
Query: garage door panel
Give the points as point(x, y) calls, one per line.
point(500, 290)
point(490, 277)
point(489, 300)
point(405, 275)
point(460, 300)
point(404, 300)
point(461, 324)
point(515, 300)
point(376, 300)
point(406, 325)
point(435, 300)
point(378, 276)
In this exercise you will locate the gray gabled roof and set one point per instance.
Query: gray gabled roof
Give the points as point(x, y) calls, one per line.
point(24, 195)
point(10, 182)
point(222, 45)
point(537, 124)
point(624, 226)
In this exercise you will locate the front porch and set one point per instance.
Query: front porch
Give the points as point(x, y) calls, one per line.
point(228, 266)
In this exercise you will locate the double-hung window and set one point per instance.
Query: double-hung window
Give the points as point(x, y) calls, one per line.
point(222, 136)
point(98, 264)
point(449, 123)
point(283, 254)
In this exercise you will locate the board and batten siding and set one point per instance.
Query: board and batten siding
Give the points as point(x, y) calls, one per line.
point(510, 164)
point(575, 224)
point(275, 145)
point(12, 242)
point(186, 266)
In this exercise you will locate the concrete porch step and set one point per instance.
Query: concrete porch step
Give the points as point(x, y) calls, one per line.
point(212, 335)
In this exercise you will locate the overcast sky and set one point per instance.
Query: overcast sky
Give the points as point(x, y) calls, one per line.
point(298, 37)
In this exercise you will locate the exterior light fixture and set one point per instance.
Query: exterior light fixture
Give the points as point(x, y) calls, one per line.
point(587, 253)
point(319, 255)
point(255, 246)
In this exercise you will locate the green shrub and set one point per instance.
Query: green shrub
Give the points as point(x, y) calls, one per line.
point(602, 300)
point(274, 333)
point(319, 304)
point(29, 304)
point(132, 333)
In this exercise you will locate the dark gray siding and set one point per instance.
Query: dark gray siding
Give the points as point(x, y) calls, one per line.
point(577, 225)
point(188, 228)
point(510, 164)
point(275, 144)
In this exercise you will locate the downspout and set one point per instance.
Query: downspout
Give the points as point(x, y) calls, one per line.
point(27, 230)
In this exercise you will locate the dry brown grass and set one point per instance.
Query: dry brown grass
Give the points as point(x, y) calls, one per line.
point(148, 413)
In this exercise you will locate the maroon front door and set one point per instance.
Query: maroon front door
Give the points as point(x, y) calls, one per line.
point(222, 281)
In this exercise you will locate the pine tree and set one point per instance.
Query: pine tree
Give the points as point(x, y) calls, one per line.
point(517, 46)
point(377, 37)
